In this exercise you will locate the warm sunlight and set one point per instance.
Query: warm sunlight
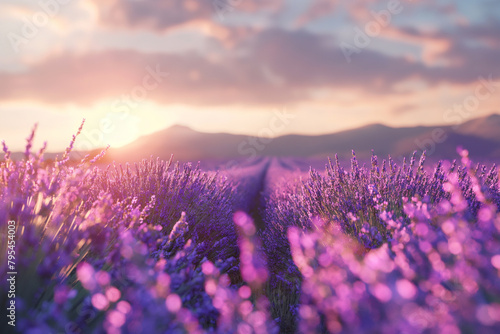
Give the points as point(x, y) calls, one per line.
point(274, 166)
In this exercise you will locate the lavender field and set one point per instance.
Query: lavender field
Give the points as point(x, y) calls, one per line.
point(249, 167)
point(268, 247)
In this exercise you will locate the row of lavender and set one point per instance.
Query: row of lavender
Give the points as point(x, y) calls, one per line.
point(387, 248)
point(146, 248)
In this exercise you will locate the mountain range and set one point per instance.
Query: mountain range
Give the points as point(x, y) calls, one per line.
point(481, 136)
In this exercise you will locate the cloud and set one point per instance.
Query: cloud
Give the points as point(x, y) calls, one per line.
point(316, 10)
point(404, 109)
point(304, 59)
point(162, 16)
point(275, 66)
point(440, 44)
point(193, 79)
point(155, 15)
point(467, 51)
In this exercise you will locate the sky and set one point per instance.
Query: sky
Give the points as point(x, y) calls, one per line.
point(133, 67)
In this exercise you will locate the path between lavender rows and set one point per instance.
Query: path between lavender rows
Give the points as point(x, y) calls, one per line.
point(259, 179)
point(259, 182)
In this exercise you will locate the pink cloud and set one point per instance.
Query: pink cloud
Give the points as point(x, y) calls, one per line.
point(274, 66)
point(316, 10)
